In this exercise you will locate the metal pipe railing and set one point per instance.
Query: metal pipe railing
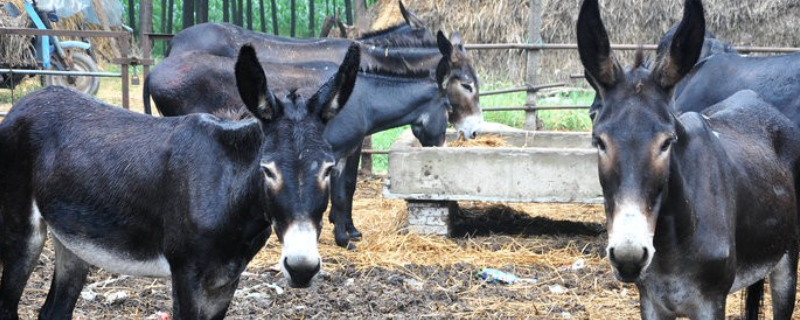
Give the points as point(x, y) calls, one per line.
point(62, 73)
point(526, 87)
point(535, 108)
point(573, 46)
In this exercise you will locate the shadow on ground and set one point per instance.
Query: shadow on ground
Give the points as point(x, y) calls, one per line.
point(500, 219)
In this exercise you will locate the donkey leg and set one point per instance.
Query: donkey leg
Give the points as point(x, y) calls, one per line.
point(753, 298)
point(342, 199)
point(711, 307)
point(351, 178)
point(70, 275)
point(649, 310)
point(783, 284)
point(200, 294)
point(22, 236)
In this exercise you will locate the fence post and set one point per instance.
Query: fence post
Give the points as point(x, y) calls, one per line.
point(366, 158)
point(534, 37)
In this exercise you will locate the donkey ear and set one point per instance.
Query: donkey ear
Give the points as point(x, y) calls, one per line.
point(333, 95)
point(594, 47)
point(445, 47)
point(442, 71)
point(686, 46)
point(456, 38)
point(458, 43)
point(411, 18)
point(252, 85)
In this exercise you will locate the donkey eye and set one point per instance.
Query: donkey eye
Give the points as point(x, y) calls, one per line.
point(597, 142)
point(268, 173)
point(667, 143)
point(467, 86)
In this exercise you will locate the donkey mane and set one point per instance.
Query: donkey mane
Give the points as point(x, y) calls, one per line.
point(403, 73)
point(234, 114)
point(400, 41)
point(365, 37)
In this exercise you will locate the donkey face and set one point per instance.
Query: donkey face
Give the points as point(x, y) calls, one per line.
point(297, 161)
point(635, 132)
point(461, 85)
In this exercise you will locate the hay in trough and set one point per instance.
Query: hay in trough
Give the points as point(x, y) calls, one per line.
point(766, 23)
point(484, 140)
point(15, 50)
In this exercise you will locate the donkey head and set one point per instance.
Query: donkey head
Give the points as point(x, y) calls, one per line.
point(635, 131)
point(296, 160)
point(461, 84)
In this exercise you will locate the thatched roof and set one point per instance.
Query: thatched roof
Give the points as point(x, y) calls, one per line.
point(761, 23)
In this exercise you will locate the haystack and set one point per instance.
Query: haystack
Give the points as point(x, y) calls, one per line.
point(15, 50)
point(105, 48)
point(764, 23)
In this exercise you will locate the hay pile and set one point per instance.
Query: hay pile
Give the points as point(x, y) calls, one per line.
point(15, 50)
point(484, 140)
point(770, 23)
point(105, 48)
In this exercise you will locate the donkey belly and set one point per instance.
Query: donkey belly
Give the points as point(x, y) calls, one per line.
point(107, 244)
point(97, 253)
point(745, 276)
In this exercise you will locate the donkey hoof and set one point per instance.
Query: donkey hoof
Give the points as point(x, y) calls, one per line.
point(354, 235)
point(351, 247)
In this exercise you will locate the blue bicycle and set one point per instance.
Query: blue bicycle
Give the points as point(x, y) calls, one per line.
point(53, 54)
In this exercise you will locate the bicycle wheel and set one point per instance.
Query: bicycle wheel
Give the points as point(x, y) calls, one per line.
point(85, 84)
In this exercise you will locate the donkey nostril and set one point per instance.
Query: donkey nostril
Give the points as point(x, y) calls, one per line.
point(611, 254)
point(644, 255)
point(474, 134)
point(301, 275)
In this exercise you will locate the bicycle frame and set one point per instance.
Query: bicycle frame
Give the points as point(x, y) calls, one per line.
point(44, 49)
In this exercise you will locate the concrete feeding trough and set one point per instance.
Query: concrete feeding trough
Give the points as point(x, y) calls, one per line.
point(535, 166)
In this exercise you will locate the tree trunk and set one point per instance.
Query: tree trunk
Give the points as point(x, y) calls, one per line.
point(188, 13)
point(170, 15)
point(163, 24)
point(202, 11)
point(311, 30)
point(263, 13)
point(274, 17)
point(293, 21)
point(234, 12)
point(249, 13)
point(163, 16)
point(348, 12)
point(132, 16)
point(240, 6)
point(226, 14)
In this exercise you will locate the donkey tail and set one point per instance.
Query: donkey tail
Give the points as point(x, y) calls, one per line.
point(146, 95)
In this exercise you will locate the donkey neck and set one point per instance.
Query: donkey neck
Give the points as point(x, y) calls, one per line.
point(399, 59)
point(379, 103)
point(699, 172)
point(404, 101)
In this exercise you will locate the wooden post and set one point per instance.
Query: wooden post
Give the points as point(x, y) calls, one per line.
point(534, 36)
point(124, 55)
point(366, 158)
point(145, 28)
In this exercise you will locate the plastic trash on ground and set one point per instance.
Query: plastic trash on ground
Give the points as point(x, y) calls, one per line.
point(494, 275)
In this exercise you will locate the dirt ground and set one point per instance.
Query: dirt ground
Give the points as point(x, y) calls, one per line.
point(395, 275)
point(398, 275)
